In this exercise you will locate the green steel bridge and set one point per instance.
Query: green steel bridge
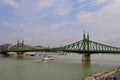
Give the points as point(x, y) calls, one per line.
point(84, 46)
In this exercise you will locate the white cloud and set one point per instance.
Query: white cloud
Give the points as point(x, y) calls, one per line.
point(109, 13)
point(59, 7)
point(99, 2)
point(62, 25)
point(62, 11)
point(13, 25)
point(106, 21)
point(81, 1)
point(50, 35)
point(43, 4)
point(12, 3)
point(101, 22)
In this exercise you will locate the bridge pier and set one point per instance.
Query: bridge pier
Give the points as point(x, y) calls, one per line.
point(19, 54)
point(86, 57)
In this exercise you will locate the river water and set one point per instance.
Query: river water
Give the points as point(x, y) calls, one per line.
point(65, 67)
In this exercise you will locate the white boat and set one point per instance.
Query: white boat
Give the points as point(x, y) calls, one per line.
point(47, 58)
point(100, 54)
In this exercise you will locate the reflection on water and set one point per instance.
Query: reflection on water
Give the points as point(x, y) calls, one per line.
point(86, 67)
point(20, 58)
point(62, 68)
point(86, 64)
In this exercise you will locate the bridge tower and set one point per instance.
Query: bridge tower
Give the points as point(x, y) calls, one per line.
point(20, 46)
point(85, 56)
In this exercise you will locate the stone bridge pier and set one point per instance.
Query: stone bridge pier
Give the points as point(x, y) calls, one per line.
point(86, 57)
point(19, 54)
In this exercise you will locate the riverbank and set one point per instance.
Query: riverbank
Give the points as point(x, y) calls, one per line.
point(102, 75)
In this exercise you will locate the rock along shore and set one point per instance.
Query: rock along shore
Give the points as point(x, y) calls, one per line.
point(102, 75)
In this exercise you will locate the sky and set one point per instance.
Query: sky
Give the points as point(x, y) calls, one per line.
point(59, 22)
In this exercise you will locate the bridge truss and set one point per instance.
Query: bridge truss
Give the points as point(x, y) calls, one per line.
point(82, 46)
point(88, 46)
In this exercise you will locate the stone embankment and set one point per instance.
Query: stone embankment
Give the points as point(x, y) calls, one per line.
point(102, 75)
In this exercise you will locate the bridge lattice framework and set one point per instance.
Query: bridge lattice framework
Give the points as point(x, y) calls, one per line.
point(84, 46)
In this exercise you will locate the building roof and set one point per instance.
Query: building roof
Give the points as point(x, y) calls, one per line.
point(5, 46)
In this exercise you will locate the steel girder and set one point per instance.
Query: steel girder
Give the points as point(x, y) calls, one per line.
point(20, 47)
point(87, 45)
point(82, 46)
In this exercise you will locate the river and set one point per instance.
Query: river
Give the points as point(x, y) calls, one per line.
point(64, 67)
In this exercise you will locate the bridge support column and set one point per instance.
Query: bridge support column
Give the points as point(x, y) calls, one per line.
point(86, 57)
point(19, 54)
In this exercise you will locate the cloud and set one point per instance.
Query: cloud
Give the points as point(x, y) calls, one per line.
point(12, 3)
point(62, 11)
point(43, 4)
point(106, 21)
point(107, 17)
point(56, 26)
point(58, 7)
point(81, 1)
point(57, 22)
point(52, 35)
point(99, 2)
